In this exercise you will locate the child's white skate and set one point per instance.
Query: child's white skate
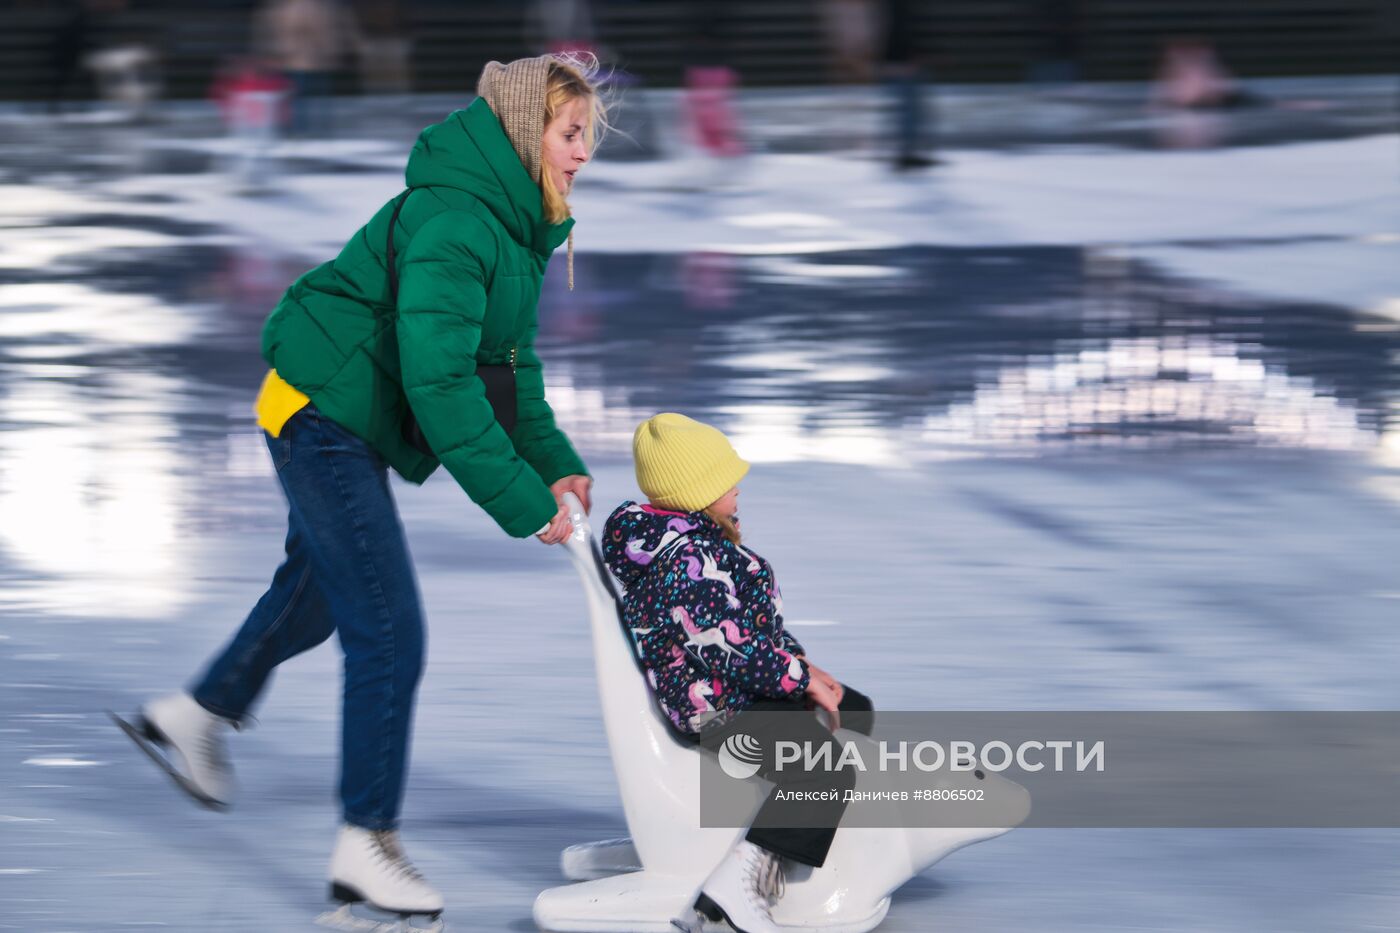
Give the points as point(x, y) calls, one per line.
point(187, 742)
point(743, 888)
point(370, 870)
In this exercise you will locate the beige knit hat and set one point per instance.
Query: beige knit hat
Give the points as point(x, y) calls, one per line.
point(684, 464)
point(516, 94)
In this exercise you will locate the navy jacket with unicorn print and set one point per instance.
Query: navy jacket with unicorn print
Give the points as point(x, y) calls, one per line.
point(705, 615)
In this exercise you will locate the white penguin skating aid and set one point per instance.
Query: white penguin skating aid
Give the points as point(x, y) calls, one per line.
point(651, 882)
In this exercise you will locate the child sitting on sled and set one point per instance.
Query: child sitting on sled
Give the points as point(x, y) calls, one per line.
point(706, 616)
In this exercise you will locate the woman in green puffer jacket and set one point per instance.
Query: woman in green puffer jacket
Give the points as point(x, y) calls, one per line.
point(413, 347)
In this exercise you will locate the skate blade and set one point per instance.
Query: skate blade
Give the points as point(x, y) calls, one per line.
point(708, 909)
point(148, 745)
point(693, 923)
point(344, 919)
point(707, 913)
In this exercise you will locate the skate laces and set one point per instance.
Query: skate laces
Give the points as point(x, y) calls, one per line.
point(764, 872)
point(772, 883)
point(211, 744)
point(388, 850)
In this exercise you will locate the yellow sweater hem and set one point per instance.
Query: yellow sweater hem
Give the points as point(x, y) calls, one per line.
point(277, 402)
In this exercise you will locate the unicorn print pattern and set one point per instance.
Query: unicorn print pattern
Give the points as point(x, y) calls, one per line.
point(704, 613)
point(707, 569)
point(724, 637)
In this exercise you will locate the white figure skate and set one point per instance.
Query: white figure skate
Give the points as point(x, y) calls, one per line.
point(743, 888)
point(369, 869)
point(187, 742)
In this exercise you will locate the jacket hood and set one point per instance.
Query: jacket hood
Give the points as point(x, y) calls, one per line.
point(470, 151)
point(635, 535)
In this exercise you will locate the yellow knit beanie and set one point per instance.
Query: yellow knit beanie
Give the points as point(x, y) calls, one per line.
point(683, 464)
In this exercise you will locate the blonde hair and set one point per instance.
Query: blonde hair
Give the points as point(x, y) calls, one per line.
point(726, 525)
point(572, 76)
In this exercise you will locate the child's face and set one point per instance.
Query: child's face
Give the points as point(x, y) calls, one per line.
point(728, 504)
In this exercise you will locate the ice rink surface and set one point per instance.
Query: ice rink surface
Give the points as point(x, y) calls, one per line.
point(1101, 414)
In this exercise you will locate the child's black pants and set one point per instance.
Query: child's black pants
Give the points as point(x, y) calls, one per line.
point(801, 830)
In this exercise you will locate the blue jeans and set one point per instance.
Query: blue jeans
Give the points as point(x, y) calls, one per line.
point(348, 571)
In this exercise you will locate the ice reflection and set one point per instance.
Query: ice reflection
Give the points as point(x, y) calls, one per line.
point(776, 433)
point(815, 274)
point(90, 483)
point(931, 353)
point(42, 319)
point(125, 418)
point(1149, 390)
point(91, 495)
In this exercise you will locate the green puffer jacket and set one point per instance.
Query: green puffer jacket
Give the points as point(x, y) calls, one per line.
point(471, 247)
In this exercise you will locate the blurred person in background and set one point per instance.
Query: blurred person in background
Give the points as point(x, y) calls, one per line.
point(125, 66)
point(68, 47)
point(904, 77)
point(711, 82)
point(852, 30)
point(414, 348)
point(561, 27)
point(1191, 76)
point(253, 101)
point(1058, 25)
point(307, 39)
point(383, 47)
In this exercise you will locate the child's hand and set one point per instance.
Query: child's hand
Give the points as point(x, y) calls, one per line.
point(820, 695)
point(816, 673)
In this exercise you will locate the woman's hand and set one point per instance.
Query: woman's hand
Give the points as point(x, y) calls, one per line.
point(578, 484)
point(821, 696)
point(559, 527)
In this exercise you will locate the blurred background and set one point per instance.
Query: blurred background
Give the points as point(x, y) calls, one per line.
point(432, 46)
point(1062, 334)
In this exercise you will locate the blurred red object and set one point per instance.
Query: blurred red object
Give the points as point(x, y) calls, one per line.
point(709, 94)
point(251, 97)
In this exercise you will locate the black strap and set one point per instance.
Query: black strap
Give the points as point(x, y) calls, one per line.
point(389, 250)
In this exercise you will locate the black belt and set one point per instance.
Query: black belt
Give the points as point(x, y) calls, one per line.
point(498, 378)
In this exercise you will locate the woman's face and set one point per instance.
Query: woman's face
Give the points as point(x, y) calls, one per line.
point(564, 150)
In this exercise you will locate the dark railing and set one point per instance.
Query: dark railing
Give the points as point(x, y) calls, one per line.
point(771, 42)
